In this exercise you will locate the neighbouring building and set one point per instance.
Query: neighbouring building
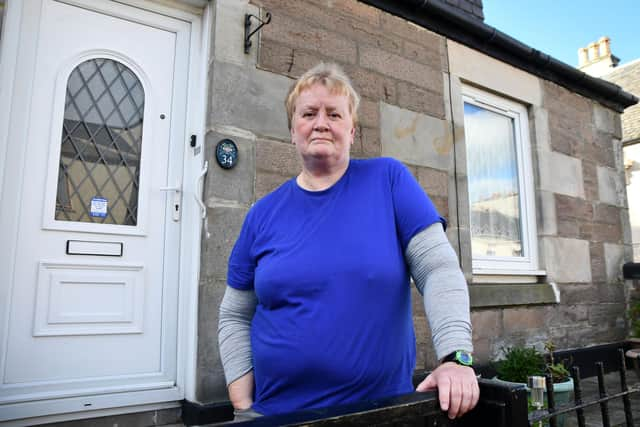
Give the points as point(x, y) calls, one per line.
point(117, 219)
point(597, 60)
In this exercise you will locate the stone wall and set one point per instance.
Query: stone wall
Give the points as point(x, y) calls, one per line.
point(585, 254)
point(628, 77)
point(410, 80)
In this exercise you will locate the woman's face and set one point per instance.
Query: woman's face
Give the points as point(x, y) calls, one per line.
point(322, 127)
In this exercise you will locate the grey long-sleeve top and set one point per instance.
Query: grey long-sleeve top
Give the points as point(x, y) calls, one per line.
point(434, 267)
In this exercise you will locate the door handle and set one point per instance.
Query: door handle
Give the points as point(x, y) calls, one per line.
point(198, 197)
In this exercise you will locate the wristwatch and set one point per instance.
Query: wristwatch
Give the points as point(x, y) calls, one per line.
point(460, 357)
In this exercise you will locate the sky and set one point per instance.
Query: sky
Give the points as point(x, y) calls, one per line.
point(560, 27)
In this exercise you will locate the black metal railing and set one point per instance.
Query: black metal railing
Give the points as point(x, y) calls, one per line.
point(501, 405)
point(553, 413)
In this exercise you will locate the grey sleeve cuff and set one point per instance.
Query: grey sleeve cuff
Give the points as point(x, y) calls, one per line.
point(434, 267)
point(234, 332)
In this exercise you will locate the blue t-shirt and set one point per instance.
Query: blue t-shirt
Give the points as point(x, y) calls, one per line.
point(333, 322)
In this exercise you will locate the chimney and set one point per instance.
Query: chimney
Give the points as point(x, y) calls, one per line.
point(596, 59)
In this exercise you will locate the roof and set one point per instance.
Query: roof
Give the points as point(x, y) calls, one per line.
point(442, 18)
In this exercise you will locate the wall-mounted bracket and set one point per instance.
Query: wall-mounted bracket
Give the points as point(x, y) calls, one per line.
point(247, 28)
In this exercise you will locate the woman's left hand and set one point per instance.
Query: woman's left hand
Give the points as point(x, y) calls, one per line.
point(457, 386)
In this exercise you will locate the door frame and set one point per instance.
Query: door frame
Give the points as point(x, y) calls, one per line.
point(18, 53)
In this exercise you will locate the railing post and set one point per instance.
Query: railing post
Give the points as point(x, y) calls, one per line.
point(604, 406)
point(625, 388)
point(500, 405)
point(577, 391)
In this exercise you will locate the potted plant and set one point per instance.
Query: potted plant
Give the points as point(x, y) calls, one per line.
point(634, 335)
point(519, 363)
point(634, 320)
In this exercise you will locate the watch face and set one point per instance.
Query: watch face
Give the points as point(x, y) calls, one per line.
point(464, 358)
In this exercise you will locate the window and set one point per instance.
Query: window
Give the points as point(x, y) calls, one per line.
point(500, 182)
point(100, 148)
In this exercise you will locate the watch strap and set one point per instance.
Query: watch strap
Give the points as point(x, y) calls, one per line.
point(461, 357)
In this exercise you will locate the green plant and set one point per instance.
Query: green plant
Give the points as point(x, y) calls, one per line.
point(558, 371)
point(519, 363)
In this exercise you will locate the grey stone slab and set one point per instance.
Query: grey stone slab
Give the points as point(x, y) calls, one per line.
point(618, 155)
point(229, 32)
point(567, 260)
point(210, 382)
point(542, 138)
point(604, 118)
point(230, 186)
point(224, 227)
point(161, 417)
point(560, 173)
point(249, 99)
point(500, 295)
point(416, 138)
point(611, 187)
point(613, 259)
point(547, 219)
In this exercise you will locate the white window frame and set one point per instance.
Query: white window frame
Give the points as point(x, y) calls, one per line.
point(528, 264)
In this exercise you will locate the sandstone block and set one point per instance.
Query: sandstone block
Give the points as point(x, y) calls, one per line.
point(417, 99)
point(486, 323)
point(302, 35)
point(229, 186)
point(415, 138)
point(224, 225)
point(249, 99)
point(546, 218)
point(561, 174)
point(523, 319)
point(614, 258)
point(277, 157)
point(567, 260)
point(433, 181)
point(210, 380)
point(604, 118)
point(401, 68)
point(408, 30)
point(611, 187)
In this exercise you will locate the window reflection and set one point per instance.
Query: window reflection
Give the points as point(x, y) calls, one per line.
point(99, 168)
point(493, 183)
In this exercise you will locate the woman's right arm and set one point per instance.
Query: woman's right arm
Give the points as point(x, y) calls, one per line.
point(234, 339)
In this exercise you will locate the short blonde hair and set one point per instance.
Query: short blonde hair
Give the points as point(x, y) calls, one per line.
point(333, 78)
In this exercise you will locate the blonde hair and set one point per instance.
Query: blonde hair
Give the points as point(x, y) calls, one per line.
point(333, 78)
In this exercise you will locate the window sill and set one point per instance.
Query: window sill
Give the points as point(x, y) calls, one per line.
point(501, 295)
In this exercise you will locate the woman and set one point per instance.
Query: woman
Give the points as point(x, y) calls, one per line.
point(317, 310)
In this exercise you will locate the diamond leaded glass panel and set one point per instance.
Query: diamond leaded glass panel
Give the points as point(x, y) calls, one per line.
point(99, 171)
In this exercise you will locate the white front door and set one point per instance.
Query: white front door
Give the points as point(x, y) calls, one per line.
point(92, 307)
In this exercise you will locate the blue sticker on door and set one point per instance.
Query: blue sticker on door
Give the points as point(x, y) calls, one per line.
point(98, 207)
